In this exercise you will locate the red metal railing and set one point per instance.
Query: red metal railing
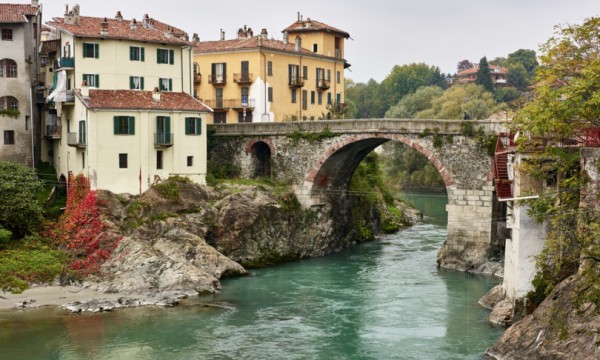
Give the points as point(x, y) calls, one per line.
point(501, 180)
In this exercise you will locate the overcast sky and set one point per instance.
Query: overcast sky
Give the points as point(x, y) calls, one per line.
point(384, 32)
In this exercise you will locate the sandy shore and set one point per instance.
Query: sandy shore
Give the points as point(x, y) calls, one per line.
point(51, 296)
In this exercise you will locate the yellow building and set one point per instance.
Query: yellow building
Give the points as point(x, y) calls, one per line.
point(120, 107)
point(257, 79)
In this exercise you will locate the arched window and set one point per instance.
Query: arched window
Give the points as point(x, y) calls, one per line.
point(9, 103)
point(8, 68)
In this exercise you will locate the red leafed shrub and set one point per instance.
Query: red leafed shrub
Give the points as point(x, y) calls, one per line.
point(81, 229)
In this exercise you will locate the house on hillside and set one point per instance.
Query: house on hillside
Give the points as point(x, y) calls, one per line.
point(470, 75)
point(20, 26)
point(120, 108)
point(255, 78)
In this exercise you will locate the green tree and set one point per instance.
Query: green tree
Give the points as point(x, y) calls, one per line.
point(527, 58)
point(463, 65)
point(484, 77)
point(20, 212)
point(567, 101)
point(507, 94)
point(518, 76)
point(411, 104)
point(406, 79)
point(499, 61)
point(471, 99)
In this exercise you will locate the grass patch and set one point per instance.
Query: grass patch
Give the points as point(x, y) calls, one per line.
point(19, 267)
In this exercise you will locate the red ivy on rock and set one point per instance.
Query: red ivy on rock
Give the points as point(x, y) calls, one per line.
point(81, 229)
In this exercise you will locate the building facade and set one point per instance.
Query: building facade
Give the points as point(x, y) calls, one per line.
point(20, 26)
point(498, 74)
point(257, 79)
point(120, 108)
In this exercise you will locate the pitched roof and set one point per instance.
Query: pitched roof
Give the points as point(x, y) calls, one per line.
point(246, 43)
point(142, 100)
point(310, 25)
point(15, 13)
point(120, 29)
point(475, 69)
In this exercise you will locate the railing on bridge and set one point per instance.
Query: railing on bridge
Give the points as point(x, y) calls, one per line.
point(501, 179)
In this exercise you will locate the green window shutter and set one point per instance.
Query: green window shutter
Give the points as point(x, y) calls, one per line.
point(131, 55)
point(142, 54)
point(131, 124)
point(188, 126)
point(116, 125)
point(142, 83)
point(96, 51)
point(158, 56)
point(171, 57)
point(97, 78)
point(131, 84)
point(198, 126)
point(170, 84)
point(168, 129)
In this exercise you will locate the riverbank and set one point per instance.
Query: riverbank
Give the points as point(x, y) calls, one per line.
point(50, 296)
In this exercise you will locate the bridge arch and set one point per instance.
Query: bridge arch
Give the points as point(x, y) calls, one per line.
point(261, 152)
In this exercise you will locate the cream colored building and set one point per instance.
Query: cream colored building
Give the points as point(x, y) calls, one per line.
point(257, 79)
point(120, 107)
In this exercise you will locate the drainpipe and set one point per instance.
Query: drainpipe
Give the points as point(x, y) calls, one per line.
point(266, 92)
point(32, 127)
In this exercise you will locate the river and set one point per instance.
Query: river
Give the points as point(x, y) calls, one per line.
point(381, 300)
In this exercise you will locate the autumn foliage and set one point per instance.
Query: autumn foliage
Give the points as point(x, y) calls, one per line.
point(81, 230)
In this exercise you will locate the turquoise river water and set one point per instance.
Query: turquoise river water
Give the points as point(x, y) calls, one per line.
point(381, 300)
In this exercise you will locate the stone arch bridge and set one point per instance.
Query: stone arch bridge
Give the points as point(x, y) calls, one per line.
point(319, 157)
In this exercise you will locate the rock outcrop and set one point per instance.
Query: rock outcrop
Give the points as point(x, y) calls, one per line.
point(555, 330)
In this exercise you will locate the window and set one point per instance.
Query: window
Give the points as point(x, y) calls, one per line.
point(122, 161)
point(7, 34)
point(92, 80)
point(82, 133)
point(305, 72)
point(270, 94)
point(9, 103)
point(136, 82)
point(320, 98)
point(338, 99)
point(163, 130)
point(219, 73)
point(9, 137)
point(165, 56)
point(315, 48)
point(338, 77)
point(165, 84)
point(304, 99)
point(293, 95)
point(294, 74)
point(312, 97)
point(190, 161)
point(8, 68)
point(245, 92)
point(193, 126)
point(124, 125)
point(136, 53)
point(91, 50)
point(269, 68)
point(320, 77)
point(159, 160)
point(328, 98)
point(328, 75)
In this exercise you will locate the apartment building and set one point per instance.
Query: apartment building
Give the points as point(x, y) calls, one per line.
point(497, 72)
point(255, 78)
point(20, 26)
point(119, 107)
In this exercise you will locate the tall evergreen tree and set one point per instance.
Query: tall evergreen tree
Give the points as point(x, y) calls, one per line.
point(484, 77)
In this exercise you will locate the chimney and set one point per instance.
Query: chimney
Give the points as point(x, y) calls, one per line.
point(146, 21)
point(35, 2)
point(285, 38)
point(195, 38)
point(119, 17)
point(169, 32)
point(222, 34)
point(133, 24)
point(249, 33)
point(85, 89)
point(260, 41)
point(104, 27)
point(298, 44)
point(299, 16)
point(264, 34)
point(156, 94)
point(241, 33)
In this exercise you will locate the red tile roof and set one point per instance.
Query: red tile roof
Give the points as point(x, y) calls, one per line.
point(310, 25)
point(494, 69)
point(142, 100)
point(90, 27)
point(15, 13)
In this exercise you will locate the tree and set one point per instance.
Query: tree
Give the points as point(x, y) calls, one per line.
point(525, 57)
point(20, 211)
point(566, 102)
point(411, 104)
point(406, 79)
point(484, 77)
point(463, 65)
point(499, 61)
point(471, 99)
point(507, 94)
point(518, 76)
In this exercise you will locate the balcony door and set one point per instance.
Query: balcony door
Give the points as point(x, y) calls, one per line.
point(219, 98)
point(245, 72)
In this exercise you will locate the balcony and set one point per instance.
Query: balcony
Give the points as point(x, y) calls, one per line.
point(63, 64)
point(163, 139)
point(219, 104)
point(323, 84)
point(70, 95)
point(197, 78)
point(243, 78)
point(296, 82)
point(240, 104)
point(76, 140)
point(53, 132)
point(219, 79)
